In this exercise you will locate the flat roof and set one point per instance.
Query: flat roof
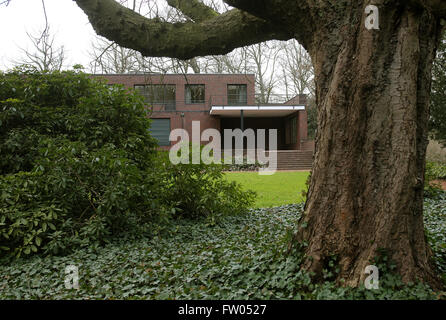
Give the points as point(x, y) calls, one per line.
point(257, 111)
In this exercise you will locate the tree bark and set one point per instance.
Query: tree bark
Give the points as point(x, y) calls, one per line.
point(366, 190)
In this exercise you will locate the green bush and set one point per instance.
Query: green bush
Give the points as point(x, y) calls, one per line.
point(433, 171)
point(79, 167)
point(76, 162)
point(438, 170)
point(200, 190)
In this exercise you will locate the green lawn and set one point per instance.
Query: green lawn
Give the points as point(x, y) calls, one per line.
point(273, 190)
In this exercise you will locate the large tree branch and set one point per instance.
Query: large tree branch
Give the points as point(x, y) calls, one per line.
point(298, 14)
point(156, 38)
point(194, 9)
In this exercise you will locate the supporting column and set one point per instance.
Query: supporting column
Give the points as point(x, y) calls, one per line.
point(241, 121)
point(242, 128)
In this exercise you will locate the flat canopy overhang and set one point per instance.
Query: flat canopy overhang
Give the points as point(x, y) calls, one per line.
point(259, 111)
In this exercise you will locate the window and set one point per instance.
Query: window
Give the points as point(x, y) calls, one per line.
point(237, 94)
point(195, 93)
point(158, 94)
point(160, 130)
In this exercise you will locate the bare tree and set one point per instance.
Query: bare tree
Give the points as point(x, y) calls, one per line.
point(297, 69)
point(263, 58)
point(108, 57)
point(44, 54)
point(234, 62)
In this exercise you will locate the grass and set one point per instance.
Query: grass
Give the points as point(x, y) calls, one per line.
point(278, 189)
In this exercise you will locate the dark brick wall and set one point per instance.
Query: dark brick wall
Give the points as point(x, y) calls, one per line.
point(301, 99)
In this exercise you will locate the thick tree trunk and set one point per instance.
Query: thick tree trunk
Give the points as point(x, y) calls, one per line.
point(366, 190)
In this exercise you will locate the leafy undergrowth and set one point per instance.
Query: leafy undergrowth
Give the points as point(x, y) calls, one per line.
point(241, 257)
point(435, 223)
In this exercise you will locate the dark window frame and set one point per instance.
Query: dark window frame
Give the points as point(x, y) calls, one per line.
point(194, 101)
point(153, 97)
point(161, 144)
point(242, 97)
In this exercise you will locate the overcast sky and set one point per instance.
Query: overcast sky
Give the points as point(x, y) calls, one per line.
point(69, 24)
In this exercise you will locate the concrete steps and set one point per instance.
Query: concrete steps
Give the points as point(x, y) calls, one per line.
point(291, 159)
point(307, 145)
point(294, 159)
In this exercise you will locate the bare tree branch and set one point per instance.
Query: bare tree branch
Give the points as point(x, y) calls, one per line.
point(46, 19)
point(45, 56)
point(297, 68)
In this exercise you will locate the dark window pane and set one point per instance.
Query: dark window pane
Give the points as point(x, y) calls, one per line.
point(158, 94)
point(237, 94)
point(160, 130)
point(195, 93)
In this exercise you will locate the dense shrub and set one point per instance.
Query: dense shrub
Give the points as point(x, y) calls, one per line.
point(71, 105)
point(200, 190)
point(244, 167)
point(79, 167)
point(75, 160)
point(437, 170)
point(433, 172)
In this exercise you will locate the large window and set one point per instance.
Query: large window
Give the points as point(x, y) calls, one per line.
point(195, 93)
point(163, 94)
point(160, 130)
point(237, 94)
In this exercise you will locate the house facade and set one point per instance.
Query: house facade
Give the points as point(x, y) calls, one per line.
point(218, 101)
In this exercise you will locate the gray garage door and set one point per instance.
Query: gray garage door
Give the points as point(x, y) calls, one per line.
point(160, 130)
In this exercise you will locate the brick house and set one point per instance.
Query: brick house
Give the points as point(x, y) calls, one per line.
point(219, 101)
